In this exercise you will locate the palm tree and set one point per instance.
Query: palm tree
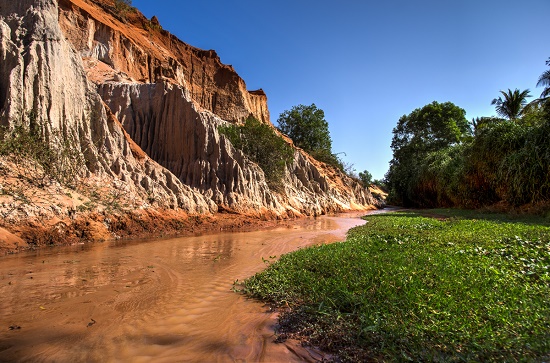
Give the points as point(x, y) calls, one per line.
point(512, 106)
point(544, 81)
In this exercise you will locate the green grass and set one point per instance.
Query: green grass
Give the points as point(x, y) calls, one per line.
point(404, 287)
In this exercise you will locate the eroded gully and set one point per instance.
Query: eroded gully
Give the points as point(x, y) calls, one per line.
point(163, 301)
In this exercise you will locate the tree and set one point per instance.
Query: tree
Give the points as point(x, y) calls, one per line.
point(431, 128)
point(366, 178)
point(307, 127)
point(544, 81)
point(513, 104)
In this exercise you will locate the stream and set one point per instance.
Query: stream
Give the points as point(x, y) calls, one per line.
point(165, 300)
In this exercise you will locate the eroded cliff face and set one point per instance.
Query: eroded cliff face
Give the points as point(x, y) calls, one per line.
point(137, 50)
point(43, 85)
point(163, 120)
point(143, 110)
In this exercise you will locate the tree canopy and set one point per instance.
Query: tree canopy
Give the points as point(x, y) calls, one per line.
point(366, 178)
point(307, 127)
point(544, 81)
point(431, 128)
point(512, 104)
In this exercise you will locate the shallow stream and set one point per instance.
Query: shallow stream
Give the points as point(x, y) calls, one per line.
point(164, 300)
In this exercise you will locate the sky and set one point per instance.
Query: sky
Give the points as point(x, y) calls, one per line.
point(367, 63)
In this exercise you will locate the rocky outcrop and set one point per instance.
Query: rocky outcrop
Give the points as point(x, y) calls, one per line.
point(139, 51)
point(163, 120)
point(143, 108)
point(43, 85)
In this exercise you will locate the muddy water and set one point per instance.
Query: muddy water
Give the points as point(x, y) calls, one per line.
point(162, 301)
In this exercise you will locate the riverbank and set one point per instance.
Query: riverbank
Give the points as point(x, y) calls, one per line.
point(167, 299)
point(139, 224)
point(37, 212)
point(464, 286)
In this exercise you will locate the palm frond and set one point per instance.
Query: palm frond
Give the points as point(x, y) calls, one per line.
point(513, 103)
point(544, 79)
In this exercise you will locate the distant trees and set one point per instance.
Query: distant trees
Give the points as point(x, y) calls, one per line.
point(307, 127)
point(438, 163)
point(544, 81)
point(512, 105)
point(431, 128)
point(366, 178)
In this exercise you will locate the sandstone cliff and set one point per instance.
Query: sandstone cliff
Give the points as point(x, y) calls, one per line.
point(142, 110)
point(137, 50)
point(43, 81)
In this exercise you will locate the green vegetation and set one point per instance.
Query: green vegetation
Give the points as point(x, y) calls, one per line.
point(263, 146)
point(40, 161)
point(438, 162)
point(307, 127)
point(544, 81)
point(468, 287)
point(152, 25)
point(513, 104)
point(366, 178)
point(426, 130)
point(123, 7)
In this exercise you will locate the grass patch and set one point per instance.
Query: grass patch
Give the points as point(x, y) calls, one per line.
point(410, 288)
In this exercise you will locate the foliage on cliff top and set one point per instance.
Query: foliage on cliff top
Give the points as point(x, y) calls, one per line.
point(468, 287)
point(307, 127)
point(263, 146)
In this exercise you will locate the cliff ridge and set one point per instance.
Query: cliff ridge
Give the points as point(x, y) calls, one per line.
point(138, 111)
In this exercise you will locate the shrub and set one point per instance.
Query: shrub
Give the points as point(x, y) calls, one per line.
point(263, 146)
point(123, 7)
point(38, 159)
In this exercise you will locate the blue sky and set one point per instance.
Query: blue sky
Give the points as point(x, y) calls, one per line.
point(367, 63)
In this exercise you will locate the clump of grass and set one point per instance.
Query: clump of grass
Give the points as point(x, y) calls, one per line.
point(411, 288)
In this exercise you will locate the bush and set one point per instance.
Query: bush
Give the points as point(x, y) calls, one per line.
point(263, 146)
point(123, 7)
point(511, 162)
point(39, 161)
